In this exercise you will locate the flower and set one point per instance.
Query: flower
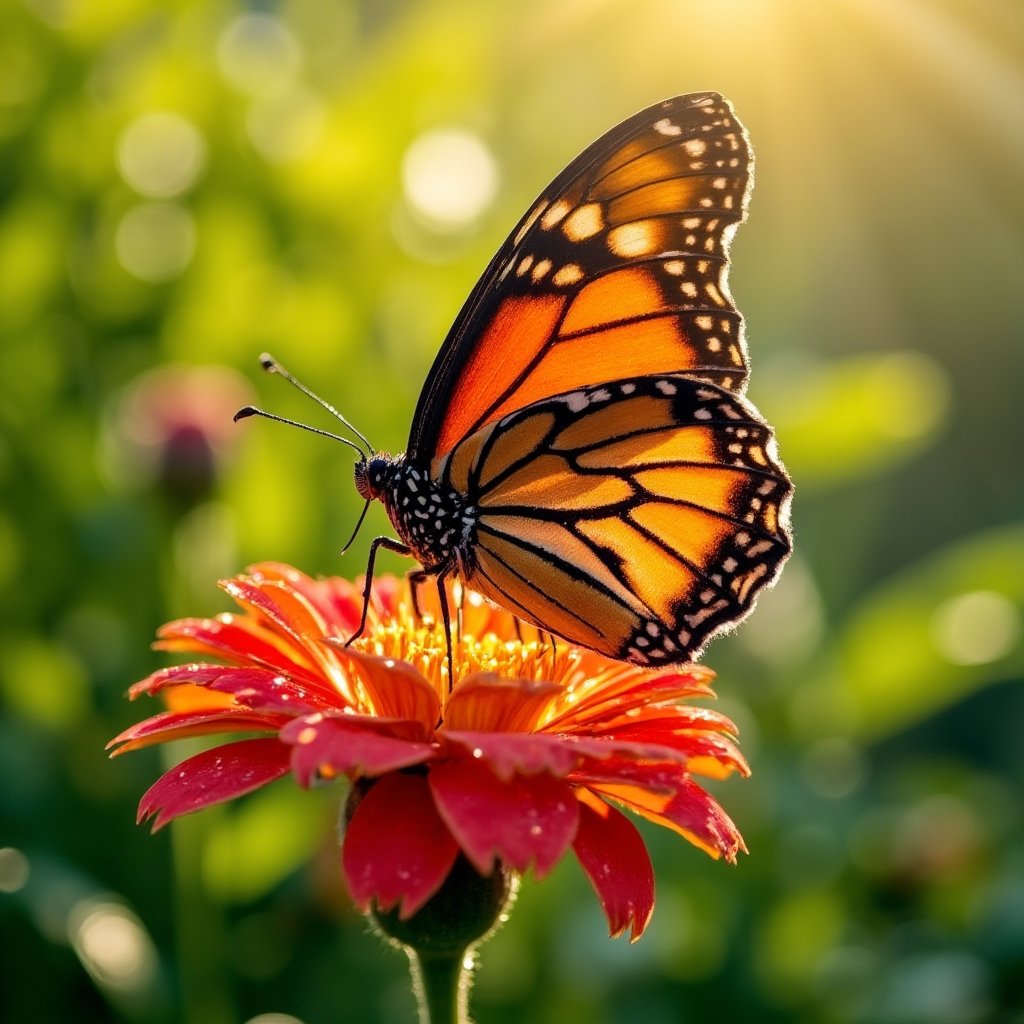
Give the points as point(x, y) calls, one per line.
point(530, 751)
point(172, 426)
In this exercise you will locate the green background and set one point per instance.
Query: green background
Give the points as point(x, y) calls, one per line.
point(183, 185)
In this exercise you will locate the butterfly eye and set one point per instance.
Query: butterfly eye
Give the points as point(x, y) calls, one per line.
point(363, 484)
point(372, 476)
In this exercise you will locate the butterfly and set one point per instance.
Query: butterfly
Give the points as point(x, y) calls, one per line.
point(582, 453)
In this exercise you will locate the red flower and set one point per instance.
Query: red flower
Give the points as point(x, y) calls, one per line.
point(523, 758)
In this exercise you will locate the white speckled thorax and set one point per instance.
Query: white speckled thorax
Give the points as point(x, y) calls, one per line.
point(434, 521)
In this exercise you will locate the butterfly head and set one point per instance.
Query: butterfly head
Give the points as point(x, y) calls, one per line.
point(372, 475)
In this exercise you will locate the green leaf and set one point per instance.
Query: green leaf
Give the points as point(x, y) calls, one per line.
point(263, 840)
point(926, 639)
point(852, 417)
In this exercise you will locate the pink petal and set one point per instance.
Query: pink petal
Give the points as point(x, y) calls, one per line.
point(510, 754)
point(261, 690)
point(614, 857)
point(329, 746)
point(176, 675)
point(663, 777)
point(527, 819)
point(284, 610)
point(175, 725)
point(233, 638)
point(213, 777)
point(695, 813)
point(396, 849)
point(339, 602)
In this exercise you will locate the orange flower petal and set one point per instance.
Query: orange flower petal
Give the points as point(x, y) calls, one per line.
point(392, 689)
point(690, 811)
point(484, 701)
point(619, 690)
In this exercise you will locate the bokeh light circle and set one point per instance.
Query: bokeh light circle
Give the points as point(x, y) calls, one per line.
point(155, 241)
point(161, 154)
point(449, 177)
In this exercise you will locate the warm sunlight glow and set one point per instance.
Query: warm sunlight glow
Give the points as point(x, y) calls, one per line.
point(450, 178)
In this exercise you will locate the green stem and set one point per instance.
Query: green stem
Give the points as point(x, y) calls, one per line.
point(441, 983)
point(201, 941)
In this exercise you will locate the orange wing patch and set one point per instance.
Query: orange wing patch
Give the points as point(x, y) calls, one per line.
point(660, 198)
point(548, 596)
point(560, 545)
point(520, 329)
point(613, 419)
point(551, 483)
point(657, 578)
point(613, 297)
point(695, 535)
point(689, 445)
point(650, 346)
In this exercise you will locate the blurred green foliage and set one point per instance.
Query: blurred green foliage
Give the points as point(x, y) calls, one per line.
point(184, 184)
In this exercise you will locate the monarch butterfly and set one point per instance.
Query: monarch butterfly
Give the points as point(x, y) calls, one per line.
point(581, 452)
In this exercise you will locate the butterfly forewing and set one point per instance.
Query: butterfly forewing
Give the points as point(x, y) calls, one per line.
point(637, 518)
point(619, 269)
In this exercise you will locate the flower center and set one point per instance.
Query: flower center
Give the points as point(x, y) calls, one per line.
point(422, 644)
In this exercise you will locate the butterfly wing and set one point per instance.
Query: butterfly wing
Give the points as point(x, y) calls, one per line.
point(637, 518)
point(619, 269)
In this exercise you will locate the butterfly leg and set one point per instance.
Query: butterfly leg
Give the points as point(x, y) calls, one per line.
point(442, 595)
point(416, 578)
point(390, 544)
point(419, 576)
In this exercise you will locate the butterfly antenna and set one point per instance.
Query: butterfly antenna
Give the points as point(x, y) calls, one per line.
point(251, 410)
point(355, 532)
point(271, 365)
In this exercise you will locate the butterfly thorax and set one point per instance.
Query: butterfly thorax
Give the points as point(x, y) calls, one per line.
point(433, 520)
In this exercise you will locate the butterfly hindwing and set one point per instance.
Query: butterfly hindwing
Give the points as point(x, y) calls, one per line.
point(619, 269)
point(637, 518)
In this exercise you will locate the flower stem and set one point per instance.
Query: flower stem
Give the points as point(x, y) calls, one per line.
point(441, 984)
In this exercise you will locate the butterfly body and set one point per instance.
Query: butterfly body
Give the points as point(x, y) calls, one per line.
point(582, 452)
point(432, 519)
